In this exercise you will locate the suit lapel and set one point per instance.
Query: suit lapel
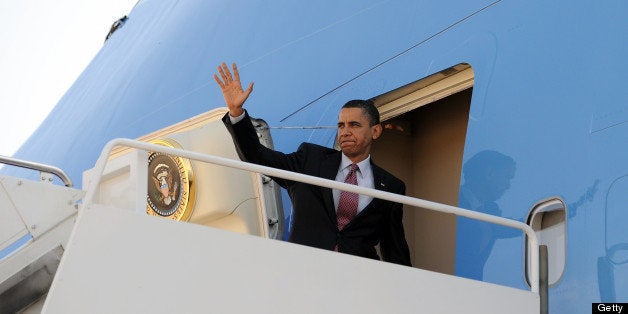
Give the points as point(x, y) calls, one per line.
point(379, 184)
point(329, 170)
point(378, 178)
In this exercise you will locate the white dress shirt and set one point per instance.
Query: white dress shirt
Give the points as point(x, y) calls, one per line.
point(237, 119)
point(364, 176)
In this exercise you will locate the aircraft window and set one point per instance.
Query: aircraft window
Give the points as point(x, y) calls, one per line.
point(547, 218)
point(613, 265)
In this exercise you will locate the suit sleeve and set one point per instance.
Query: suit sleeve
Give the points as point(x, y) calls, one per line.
point(393, 245)
point(251, 150)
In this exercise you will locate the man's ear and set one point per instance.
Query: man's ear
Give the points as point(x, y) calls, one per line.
point(377, 131)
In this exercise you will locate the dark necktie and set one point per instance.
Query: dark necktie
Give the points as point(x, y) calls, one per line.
point(348, 203)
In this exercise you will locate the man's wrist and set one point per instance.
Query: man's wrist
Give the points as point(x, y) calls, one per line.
point(237, 118)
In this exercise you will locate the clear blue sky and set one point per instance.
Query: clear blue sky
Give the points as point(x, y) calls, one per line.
point(44, 46)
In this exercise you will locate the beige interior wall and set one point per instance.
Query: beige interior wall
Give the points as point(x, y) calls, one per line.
point(427, 156)
point(392, 152)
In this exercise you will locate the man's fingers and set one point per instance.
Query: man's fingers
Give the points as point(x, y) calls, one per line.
point(248, 91)
point(228, 84)
point(222, 73)
point(236, 74)
point(222, 86)
point(227, 72)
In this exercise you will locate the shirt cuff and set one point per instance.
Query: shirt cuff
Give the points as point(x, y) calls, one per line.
point(237, 119)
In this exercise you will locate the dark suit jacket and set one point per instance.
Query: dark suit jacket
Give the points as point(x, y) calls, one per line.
point(314, 221)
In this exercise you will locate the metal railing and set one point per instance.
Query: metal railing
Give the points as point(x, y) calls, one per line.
point(42, 168)
point(407, 200)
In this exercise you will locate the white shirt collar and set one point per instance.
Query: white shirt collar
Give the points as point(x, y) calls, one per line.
point(364, 165)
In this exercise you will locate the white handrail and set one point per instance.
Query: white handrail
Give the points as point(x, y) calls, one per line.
point(288, 175)
point(37, 166)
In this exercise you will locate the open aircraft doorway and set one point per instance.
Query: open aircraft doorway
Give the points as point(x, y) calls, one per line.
point(425, 125)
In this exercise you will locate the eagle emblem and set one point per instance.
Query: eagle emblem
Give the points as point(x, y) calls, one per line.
point(170, 190)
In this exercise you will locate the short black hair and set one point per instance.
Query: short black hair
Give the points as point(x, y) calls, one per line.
point(368, 106)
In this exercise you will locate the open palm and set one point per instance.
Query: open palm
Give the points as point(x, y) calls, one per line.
point(231, 88)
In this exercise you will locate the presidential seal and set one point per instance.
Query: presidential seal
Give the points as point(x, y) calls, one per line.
point(170, 184)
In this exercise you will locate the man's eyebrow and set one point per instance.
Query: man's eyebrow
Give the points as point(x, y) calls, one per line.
point(352, 122)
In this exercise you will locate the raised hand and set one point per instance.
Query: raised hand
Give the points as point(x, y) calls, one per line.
point(232, 90)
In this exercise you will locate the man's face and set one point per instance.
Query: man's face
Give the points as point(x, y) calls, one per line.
point(355, 133)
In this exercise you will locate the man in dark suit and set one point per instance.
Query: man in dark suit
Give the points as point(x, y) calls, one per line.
point(325, 218)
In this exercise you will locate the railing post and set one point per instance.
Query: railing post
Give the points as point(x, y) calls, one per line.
point(543, 279)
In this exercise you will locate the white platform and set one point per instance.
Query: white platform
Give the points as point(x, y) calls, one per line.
point(122, 262)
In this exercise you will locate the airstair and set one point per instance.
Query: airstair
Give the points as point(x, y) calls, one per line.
point(37, 218)
point(71, 251)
